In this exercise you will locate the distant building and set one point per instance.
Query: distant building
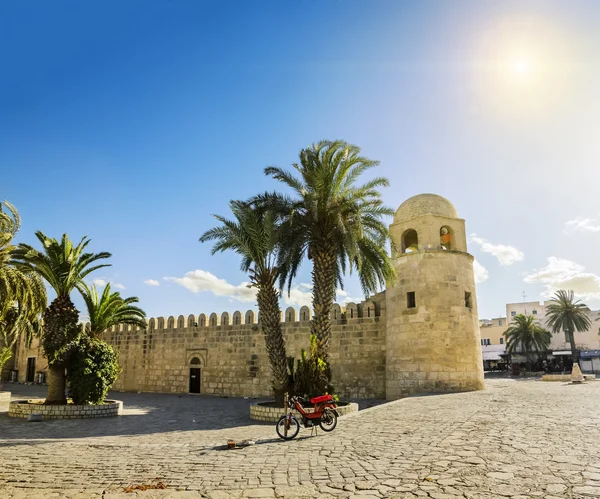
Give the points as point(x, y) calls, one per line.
point(493, 342)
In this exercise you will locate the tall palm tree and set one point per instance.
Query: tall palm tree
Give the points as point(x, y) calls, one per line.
point(570, 315)
point(253, 235)
point(334, 222)
point(109, 309)
point(526, 337)
point(63, 266)
point(22, 293)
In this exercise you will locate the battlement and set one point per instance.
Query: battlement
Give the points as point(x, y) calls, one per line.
point(368, 309)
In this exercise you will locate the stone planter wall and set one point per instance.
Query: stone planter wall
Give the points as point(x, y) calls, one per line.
point(272, 414)
point(23, 408)
point(4, 399)
point(565, 377)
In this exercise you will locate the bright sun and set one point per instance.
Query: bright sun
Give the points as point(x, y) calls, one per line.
point(522, 67)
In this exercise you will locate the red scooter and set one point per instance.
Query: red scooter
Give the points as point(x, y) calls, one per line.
point(323, 414)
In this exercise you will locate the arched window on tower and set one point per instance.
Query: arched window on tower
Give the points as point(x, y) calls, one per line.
point(446, 238)
point(410, 241)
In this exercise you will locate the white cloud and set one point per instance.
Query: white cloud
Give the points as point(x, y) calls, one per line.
point(101, 282)
point(198, 281)
point(299, 296)
point(481, 273)
point(565, 274)
point(152, 282)
point(506, 255)
point(583, 225)
point(342, 297)
point(302, 295)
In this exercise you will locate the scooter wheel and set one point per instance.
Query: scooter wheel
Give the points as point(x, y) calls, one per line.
point(287, 428)
point(328, 420)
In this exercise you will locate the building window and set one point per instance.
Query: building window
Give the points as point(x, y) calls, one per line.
point(446, 238)
point(411, 301)
point(534, 311)
point(502, 341)
point(499, 322)
point(481, 341)
point(468, 302)
point(410, 241)
point(513, 313)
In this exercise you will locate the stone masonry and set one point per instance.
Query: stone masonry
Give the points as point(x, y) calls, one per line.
point(384, 347)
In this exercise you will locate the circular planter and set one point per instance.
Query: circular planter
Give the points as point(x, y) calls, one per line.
point(263, 411)
point(23, 408)
point(4, 399)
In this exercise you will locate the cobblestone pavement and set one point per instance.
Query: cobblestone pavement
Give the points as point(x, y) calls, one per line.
point(516, 439)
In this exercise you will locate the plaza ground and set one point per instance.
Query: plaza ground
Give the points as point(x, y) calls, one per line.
point(516, 439)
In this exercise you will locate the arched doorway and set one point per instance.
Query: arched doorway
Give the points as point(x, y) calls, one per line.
point(195, 372)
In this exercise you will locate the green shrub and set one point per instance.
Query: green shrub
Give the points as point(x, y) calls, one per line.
point(310, 376)
point(93, 368)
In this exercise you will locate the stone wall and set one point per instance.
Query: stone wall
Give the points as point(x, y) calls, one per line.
point(433, 346)
point(22, 353)
point(23, 408)
point(232, 357)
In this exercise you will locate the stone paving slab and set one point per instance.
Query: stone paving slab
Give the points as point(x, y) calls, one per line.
point(517, 439)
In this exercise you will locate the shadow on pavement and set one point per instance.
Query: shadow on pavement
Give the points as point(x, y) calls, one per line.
point(143, 414)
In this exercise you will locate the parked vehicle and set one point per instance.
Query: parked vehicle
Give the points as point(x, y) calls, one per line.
point(322, 414)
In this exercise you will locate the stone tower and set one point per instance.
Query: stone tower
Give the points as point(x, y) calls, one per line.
point(432, 338)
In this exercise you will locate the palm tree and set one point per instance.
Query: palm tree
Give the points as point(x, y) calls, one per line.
point(569, 315)
point(63, 266)
point(334, 222)
point(22, 293)
point(253, 235)
point(110, 309)
point(527, 337)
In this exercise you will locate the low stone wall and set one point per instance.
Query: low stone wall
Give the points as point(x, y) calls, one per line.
point(566, 377)
point(23, 408)
point(260, 412)
point(4, 399)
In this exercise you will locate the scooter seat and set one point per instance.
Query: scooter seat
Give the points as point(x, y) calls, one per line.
point(321, 398)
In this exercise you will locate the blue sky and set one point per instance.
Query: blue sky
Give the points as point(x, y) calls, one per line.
point(132, 122)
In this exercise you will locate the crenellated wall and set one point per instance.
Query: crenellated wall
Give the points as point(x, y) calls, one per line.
point(230, 351)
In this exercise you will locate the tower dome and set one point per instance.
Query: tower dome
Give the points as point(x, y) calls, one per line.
point(433, 342)
point(425, 204)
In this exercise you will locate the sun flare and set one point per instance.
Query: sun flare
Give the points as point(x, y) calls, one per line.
point(522, 67)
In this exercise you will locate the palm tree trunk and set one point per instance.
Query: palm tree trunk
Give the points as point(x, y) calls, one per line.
point(574, 352)
point(324, 281)
point(60, 328)
point(56, 384)
point(270, 317)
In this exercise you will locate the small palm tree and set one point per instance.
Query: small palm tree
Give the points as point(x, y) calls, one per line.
point(334, 222)
point(254, 236)
point(526, 337)
point(63, 266)
point(22, 293)
point(110, 309)
point(570, 315)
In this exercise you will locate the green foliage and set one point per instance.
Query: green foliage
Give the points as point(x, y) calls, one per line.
point(527, 337)
point(311, 374)
point(93, 368)
point(334, 221)
point(329, 209)
point(567, 314)
point(5, 355)
point(254, 234)
point(22, 293)
point(60, 263)
point(110, 309)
